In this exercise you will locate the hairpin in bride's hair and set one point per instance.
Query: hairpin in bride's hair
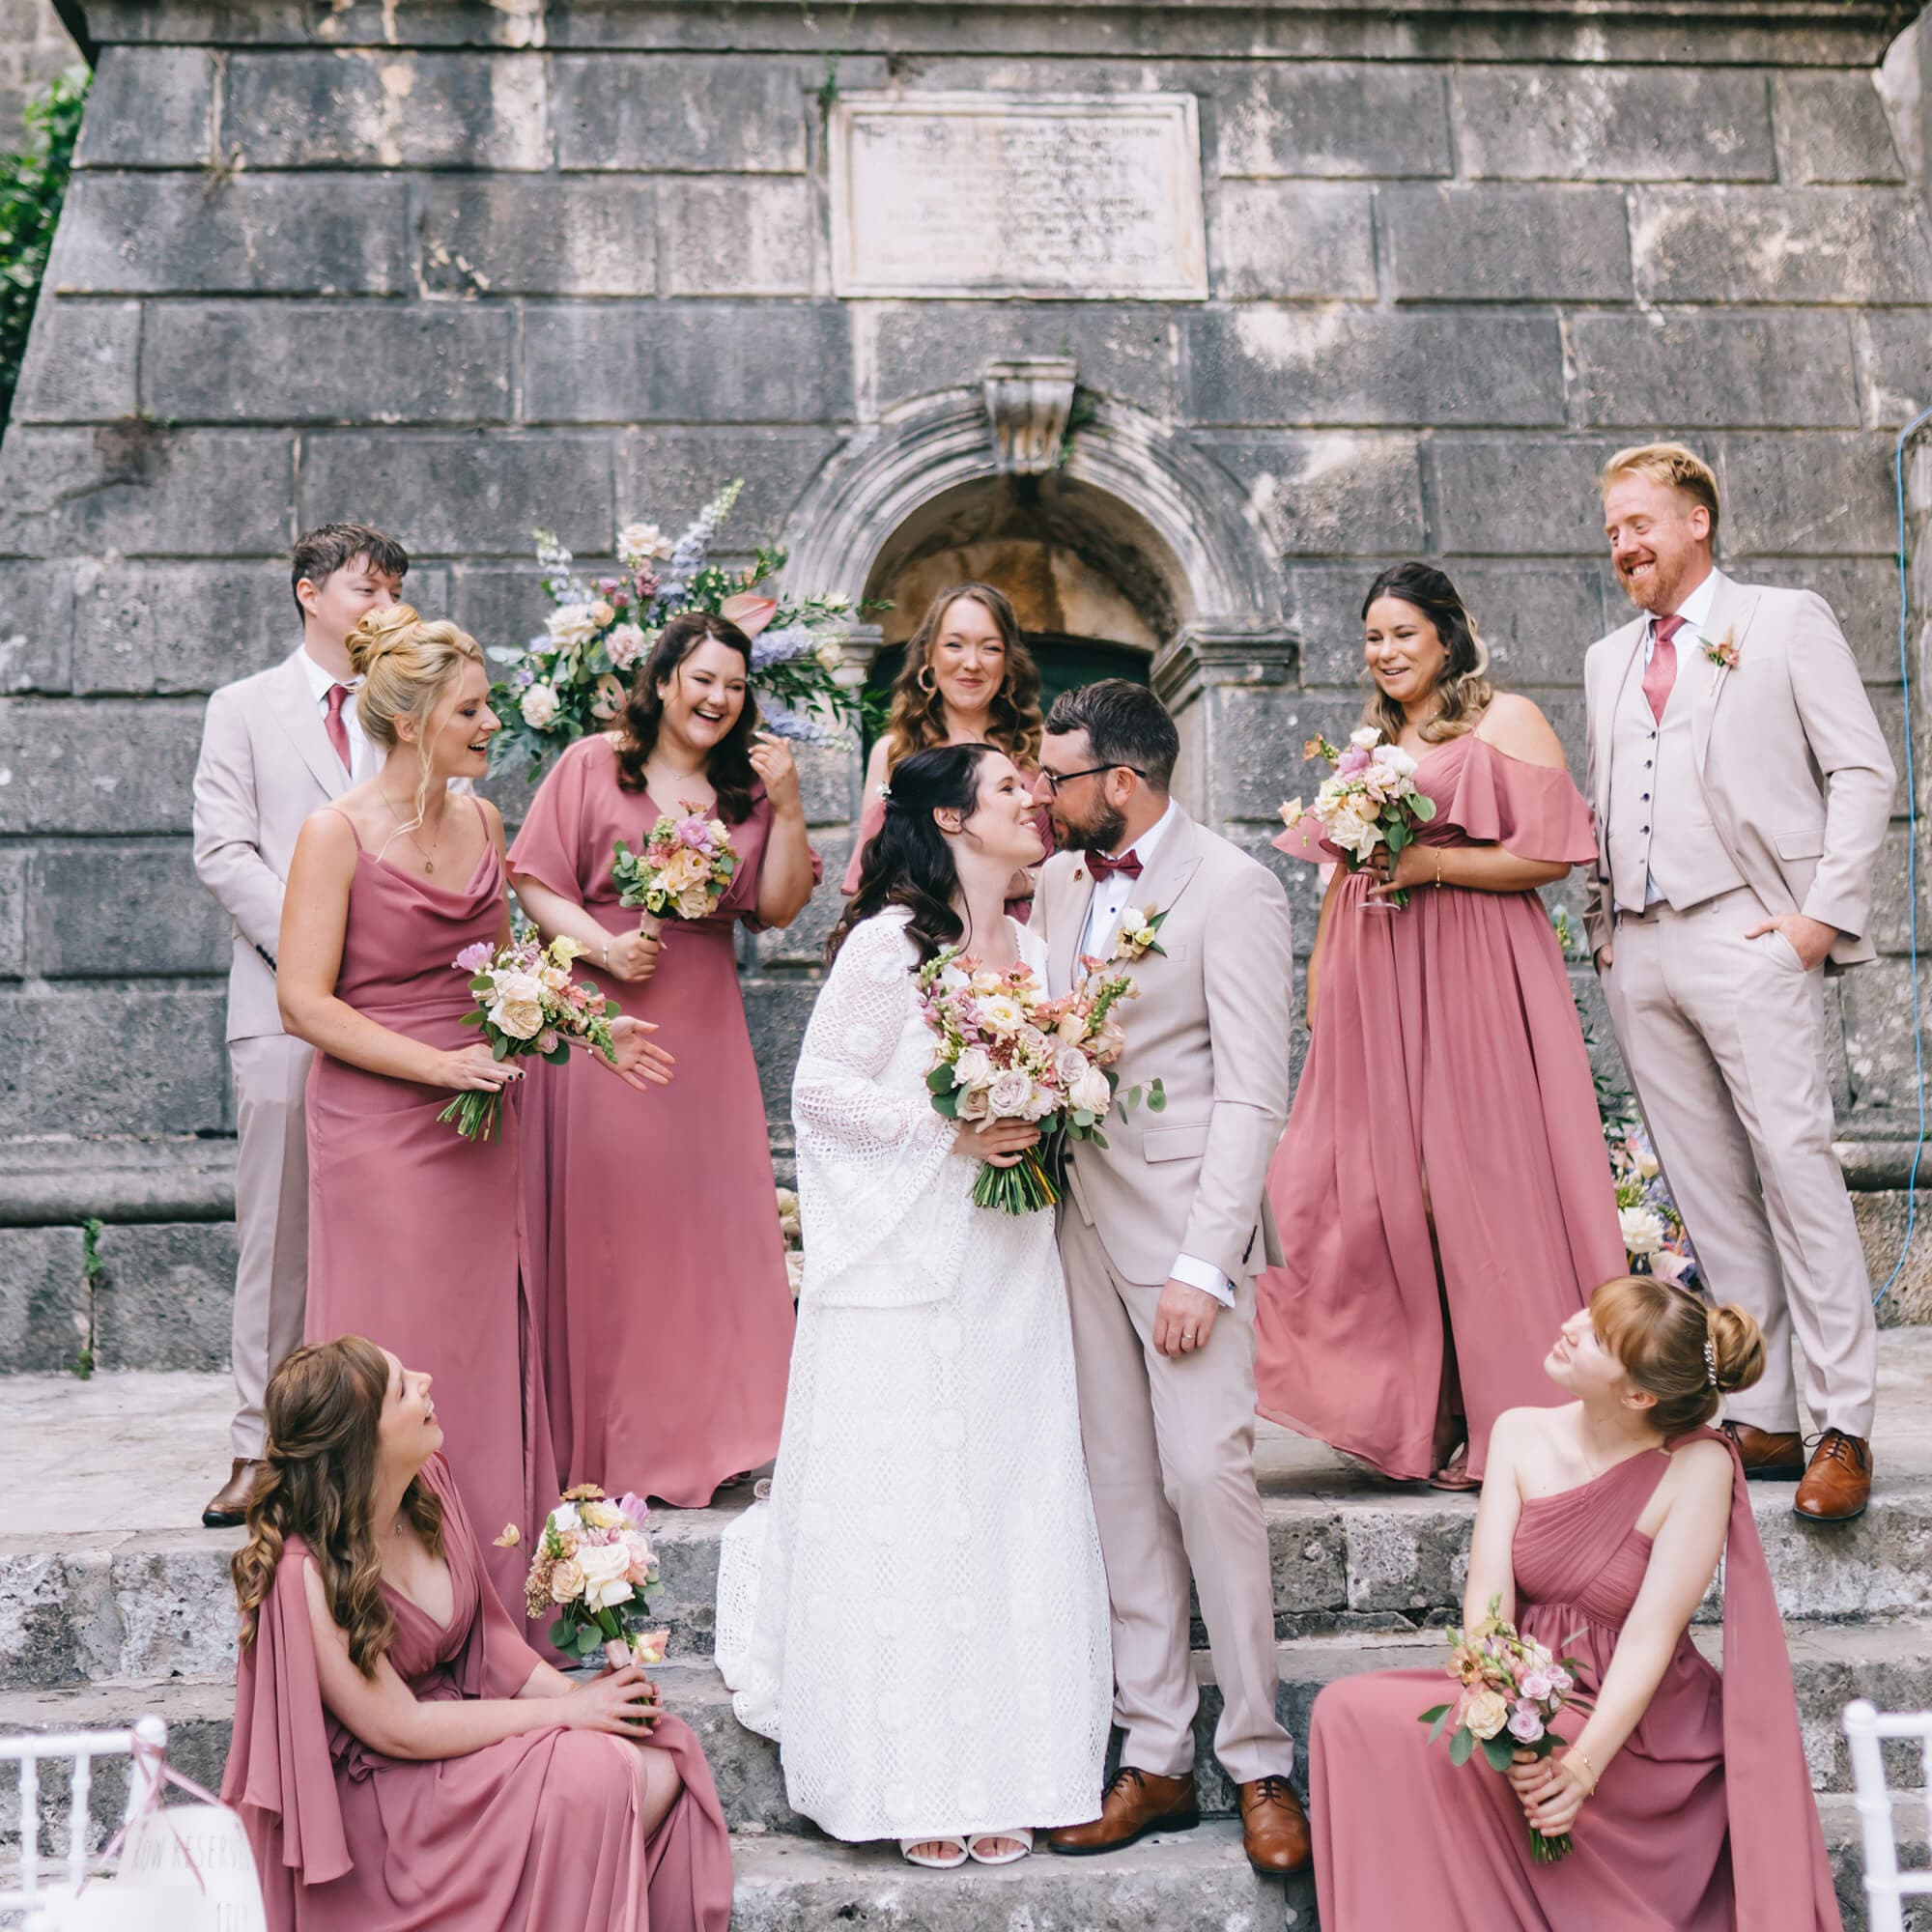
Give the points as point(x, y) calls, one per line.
point(1710, 1363)
point(885, 793)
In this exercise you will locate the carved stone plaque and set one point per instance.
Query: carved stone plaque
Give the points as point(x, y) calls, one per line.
point(1047, 196)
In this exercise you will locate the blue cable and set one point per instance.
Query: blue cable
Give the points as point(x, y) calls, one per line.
point(1905, 436)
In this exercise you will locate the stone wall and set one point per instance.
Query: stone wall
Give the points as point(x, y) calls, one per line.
point(34, 48)
point(463, 268)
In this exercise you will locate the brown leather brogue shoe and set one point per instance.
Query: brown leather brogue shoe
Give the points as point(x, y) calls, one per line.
point(1136, 1803)
point(228, 1505)
point(1774, 1456)
point(1837, 1486)
point(1274, 1828)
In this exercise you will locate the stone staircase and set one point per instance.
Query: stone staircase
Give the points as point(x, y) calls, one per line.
point(109, 1607)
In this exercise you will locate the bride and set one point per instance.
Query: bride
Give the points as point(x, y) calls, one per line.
point(919, 1614)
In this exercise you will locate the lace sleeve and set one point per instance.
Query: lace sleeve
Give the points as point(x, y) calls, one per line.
point(881, 1225)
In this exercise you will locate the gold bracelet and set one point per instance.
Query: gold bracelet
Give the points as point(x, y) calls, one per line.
point(1590, 1791)
point(1439, 865)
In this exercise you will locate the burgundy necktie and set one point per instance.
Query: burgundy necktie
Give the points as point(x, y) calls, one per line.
point(1661, 672)
point(1104, 868)
point(338, 731)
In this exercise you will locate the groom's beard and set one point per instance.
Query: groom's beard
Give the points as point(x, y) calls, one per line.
point(1100, 831)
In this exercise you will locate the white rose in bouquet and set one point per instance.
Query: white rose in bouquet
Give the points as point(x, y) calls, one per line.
point(605, 1581)
point(1353, 831)
point(1001, 1012)
point(574, 624)
point(694, 900)
point(1643, 1229)
point(517, 1007)
point(973, 1068)
point(1009, 1095)
point(640, 543)
point(539, 707)
point(1091, 1091)
point(1366, 739)
point(624, 646)
point(1069, 1065)
point(1393, 758)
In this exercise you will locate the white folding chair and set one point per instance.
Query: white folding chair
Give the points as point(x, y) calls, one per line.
point(1887, 1887)
point(82, 1748)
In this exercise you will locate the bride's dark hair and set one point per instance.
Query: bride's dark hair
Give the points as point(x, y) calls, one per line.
point(908, 862)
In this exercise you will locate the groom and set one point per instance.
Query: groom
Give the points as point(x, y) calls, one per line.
point(1161, 1238)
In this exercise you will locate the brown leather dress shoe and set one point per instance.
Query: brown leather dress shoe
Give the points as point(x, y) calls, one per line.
point(1136, 1803)
point(1274, 1828)
point(1768, 1456)
point(1837, 1486)
point(228, 1505)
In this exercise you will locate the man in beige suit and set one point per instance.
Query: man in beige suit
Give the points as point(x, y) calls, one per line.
point(1742, 788)
point(274, 748)
point(1161, 1238)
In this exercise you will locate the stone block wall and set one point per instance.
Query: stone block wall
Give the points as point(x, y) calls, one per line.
point(34, 48)
point(464, 268)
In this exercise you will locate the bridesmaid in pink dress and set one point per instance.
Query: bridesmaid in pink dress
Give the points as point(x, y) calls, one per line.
point(1442, 1173)
point(403, 1759)
point(669, 1311)
point(967, 679)
point(416, 1234)
point(1686, 1793)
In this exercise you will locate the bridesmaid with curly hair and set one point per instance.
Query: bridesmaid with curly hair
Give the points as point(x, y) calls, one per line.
point(400, 1757)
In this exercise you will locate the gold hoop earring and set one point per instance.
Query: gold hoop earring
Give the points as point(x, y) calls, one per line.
point(924, 679)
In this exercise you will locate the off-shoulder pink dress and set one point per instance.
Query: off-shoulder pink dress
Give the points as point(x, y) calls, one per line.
point(668, 1311)
point(532, 1833)
point(1446, 1045)
point(415, 1236)
point(1704, 1822)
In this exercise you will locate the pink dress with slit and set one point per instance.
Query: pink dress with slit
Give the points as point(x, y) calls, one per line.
point(1704, 1822)
point(668, 1311)
point(534, 1832)
point(1446, 1045)
point(416, 1234)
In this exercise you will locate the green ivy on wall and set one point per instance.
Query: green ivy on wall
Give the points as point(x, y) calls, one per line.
point(32, 182)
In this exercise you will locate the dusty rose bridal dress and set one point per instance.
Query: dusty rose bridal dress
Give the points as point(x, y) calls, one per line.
point(534, 1832)
point(1704, 1822)
point(1446, 1046)
point(415, 1236)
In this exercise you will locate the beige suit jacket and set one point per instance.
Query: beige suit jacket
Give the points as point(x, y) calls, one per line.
point(266, 764)
point(1790, 758)
point(1211, 1020)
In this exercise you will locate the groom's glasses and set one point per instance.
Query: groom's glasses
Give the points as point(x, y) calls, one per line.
point(1055, 779)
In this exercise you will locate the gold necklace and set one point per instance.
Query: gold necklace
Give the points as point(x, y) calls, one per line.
point(408, 832)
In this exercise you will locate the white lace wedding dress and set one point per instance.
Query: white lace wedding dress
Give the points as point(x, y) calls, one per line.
point(919, 1614)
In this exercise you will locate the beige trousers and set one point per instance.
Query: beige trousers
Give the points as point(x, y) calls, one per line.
point(1724, 1040)
point(270, 1221)
point(1171, 1457)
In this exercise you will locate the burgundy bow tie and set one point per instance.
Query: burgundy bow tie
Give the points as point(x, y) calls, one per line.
point(1104, 868)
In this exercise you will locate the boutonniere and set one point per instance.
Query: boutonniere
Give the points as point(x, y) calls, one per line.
point(1139, 935)
point(1722, 652)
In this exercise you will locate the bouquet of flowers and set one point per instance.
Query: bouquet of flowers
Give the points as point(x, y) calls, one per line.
point(573, 678)
point(1654, 1237)
point(1368, 800)
point(1512, 1688)
point(526, 1003)
point(1003, 1050)
point(684, 870)
point(594, 1566)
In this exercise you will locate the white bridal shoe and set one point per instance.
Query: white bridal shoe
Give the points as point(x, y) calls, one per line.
point(1022, 1842)
point(950, 1861)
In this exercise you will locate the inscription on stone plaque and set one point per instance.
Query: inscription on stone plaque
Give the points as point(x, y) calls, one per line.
point(1018, 195)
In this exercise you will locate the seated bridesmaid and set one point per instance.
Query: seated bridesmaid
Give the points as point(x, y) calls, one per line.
point(401, 1758)
point(1601, 1526)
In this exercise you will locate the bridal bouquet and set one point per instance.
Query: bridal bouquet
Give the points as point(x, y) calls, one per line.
point(684, 870)
point(1003, 1050)
point(1512, 1690)
point(526, 1003)
point(595, 1567)
point(573, 678)
point(1654, 1242)
point(1370, 799)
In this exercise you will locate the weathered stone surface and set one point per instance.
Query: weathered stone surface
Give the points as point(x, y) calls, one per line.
point(470, 495)
point(614, 362)
point(1498, 495)
point(133, 1060)
point(1827, 494)
point(144, 233)
point(55, 1179)
point(488, 235)
point(1894, 364)
point(1831, 127)
point(82, 361)
point(165, 1296)
point(673, 114)
point(1271, 240)
point(1327, 118)
point(1336, 494)
point(101, 907)
point(36, 626)
point(108, 766)
point(1877, 1003)
point(1334, 365)
point(14, 912)
point(1817, 245)
point(666, 475)
point(1594, 123)
point(43, 1306)
point(141, 489)
point(364, 109)
point(1862, 592)
point(738, 236)
point(1506, 243)
point(150, 107)
point(1787, 368)
point(327, 362)
point(777, 1007)
point(1903, 1272)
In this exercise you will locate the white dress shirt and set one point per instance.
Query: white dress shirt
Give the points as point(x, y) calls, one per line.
point(1695, 670)
point(1112, 896)
point(362, 756)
